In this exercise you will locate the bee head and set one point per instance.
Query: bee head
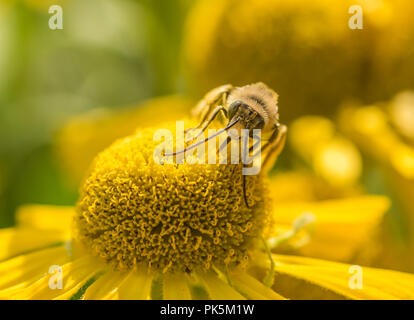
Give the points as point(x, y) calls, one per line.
point(248, 117)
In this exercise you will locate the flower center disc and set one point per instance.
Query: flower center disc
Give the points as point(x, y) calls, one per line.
point(169, 217)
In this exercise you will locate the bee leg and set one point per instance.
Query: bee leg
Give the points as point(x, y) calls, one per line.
point(275, 145)
point(209, 120)
point(209, 102)
point(224, 144)
point(254, 147)
point(271, 141)
point(251, 149)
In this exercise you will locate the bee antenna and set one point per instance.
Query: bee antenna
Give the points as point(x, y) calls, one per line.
point(231, 124)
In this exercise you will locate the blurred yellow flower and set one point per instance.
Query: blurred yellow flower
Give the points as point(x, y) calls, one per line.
point(143, 230)
point(304, 185)
point(332, 157)
point(339, 227)
point(370, 127)
point(401, 111)
point(379, 131)
point(80, 140)
point(303, 49)
point(392, 61)
point(339, 162)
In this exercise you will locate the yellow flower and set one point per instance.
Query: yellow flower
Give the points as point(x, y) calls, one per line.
point(303, 49)
point(143, 230)
point(133, 210)
point(332, 157)
point(304, 185)
point(371, 128)
point(401, 112)
point(84, 136)
point(339, 227)
point(378, 132)
point(393, 58)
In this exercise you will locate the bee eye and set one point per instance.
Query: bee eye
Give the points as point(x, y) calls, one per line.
point(233, 109)
point(259, 123)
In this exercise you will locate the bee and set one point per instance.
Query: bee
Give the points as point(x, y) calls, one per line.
point(250, 107)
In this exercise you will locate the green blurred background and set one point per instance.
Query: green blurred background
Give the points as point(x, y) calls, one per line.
point(111, 54)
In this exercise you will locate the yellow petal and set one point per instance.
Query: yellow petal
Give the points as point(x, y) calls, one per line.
point(340, 226)
point(14, 241)
point(218, 289)
point(45, 217)
point(74, 275)
point(19, 272)
point(297, 186)
point(105, 287)
point(304, 186)
point(339, 278)
point(136, 286)
point(253, 288)
point(176, 287)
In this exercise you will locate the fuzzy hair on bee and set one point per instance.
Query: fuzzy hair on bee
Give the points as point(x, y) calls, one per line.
point(260, 98)
point(261, 101)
